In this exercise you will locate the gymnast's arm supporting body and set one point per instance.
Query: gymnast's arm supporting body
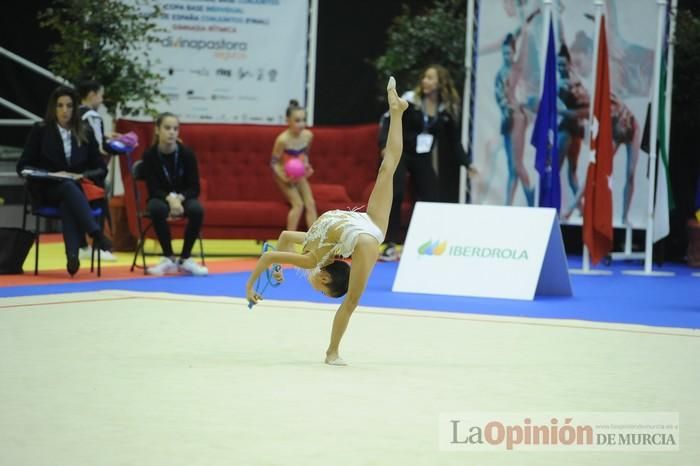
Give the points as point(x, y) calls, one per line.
point(304, 261)
point(284, 255)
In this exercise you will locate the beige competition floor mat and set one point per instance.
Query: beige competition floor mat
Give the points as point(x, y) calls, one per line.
point(151, 379)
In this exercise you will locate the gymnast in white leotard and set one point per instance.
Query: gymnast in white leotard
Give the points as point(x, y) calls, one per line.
point(335, 233)
point(341, 233)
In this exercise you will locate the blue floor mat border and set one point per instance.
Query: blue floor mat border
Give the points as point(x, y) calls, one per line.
point(655, 301)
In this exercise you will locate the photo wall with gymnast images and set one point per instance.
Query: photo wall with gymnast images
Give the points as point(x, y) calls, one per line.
point(511, 48)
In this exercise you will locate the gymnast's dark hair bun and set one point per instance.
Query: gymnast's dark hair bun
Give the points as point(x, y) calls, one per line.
point(293, 105)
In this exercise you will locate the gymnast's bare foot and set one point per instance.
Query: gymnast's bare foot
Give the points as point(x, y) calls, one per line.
point(396, 103)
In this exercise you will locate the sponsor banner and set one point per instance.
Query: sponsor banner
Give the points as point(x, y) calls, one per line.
point(232, 61)
point(484, 251)
point(559, 432)
point(510, 69)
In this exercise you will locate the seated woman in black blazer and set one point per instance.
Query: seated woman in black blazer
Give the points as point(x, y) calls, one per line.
point(61, 143)
point(172, 178)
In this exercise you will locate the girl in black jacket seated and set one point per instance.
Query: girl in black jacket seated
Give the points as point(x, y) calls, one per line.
point(172, 178)
point(61, 143)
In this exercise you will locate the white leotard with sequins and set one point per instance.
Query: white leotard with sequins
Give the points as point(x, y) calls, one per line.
point(352, 224)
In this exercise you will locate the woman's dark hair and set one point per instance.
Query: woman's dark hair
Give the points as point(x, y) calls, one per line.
point(86, 87)
point(292, 107)
point(340, 277)
point(75, 122)
point(159, 121)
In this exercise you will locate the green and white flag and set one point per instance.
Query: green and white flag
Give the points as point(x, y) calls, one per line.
point(663, 201)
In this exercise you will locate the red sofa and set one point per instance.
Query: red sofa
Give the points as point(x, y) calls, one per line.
point(239, 195)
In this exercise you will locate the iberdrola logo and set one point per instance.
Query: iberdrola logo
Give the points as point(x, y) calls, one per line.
point(432, 248)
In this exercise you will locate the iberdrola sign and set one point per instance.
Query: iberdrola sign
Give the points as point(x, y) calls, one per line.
point(438, 248)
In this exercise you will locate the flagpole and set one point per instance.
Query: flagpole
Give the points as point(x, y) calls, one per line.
point(311, 62)
point(653, 139)
point(586, 268)
point(466, 101)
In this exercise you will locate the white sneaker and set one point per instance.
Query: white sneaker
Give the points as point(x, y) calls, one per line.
point(107, 256)
point(390, 253)
point(193, 268)
point(165, 266)
point(86, 254)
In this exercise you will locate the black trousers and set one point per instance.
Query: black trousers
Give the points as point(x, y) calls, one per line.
point(76, 215)
point(158, 209)
point(104, 205)
point(421, 170)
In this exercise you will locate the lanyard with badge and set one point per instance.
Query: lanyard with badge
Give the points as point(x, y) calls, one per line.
point(424, 141)
point(166, 172)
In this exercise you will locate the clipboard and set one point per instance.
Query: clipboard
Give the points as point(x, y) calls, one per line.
point(46, 175)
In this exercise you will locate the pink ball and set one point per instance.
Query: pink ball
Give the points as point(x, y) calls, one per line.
point(294, 168)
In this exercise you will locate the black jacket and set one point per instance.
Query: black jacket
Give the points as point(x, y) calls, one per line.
point(184, 181)
point(451, 155)
point(44, 150)
point(412, 123)
point(447, 132)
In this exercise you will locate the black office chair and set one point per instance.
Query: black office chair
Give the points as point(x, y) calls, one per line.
point(137, 174)
point(54, 213)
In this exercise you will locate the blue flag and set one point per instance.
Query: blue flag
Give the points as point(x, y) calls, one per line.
point(544, 134)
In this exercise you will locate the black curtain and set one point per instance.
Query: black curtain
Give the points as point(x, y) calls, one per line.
point(684, 157)
point(20, 33)
point(350, 35)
